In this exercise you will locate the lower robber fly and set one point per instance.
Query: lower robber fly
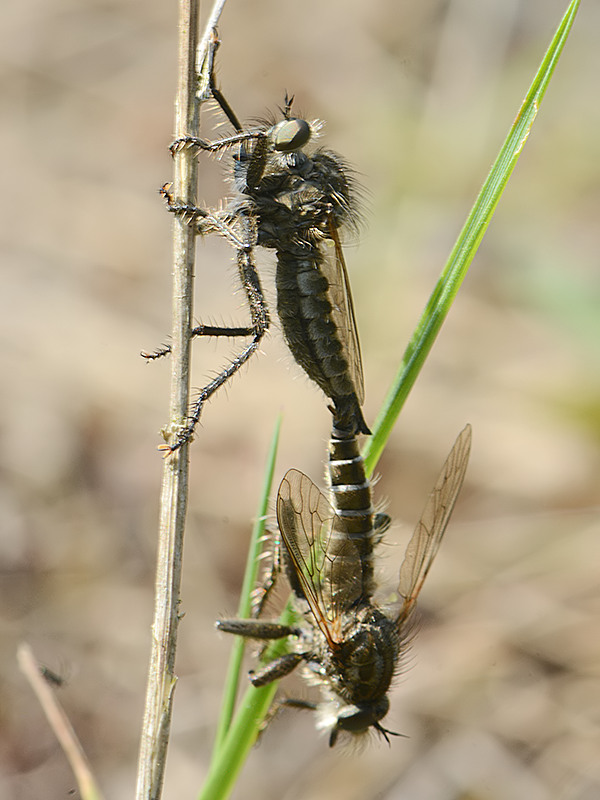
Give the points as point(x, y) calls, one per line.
point(350, 646)
point(296, 204)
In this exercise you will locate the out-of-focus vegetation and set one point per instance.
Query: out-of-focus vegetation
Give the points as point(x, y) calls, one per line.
point(502, 698)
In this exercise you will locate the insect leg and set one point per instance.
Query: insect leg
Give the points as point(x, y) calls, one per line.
point(276, 669)
point(258, 629)
point(239, 137)
point(259, 314)
point(212, 89)
point(255, 628)
point(239, 228)
point(225, 107)
point(261, 594)
point(199, 330)
point(206, 222)
point(217, 144)
point(293, 702)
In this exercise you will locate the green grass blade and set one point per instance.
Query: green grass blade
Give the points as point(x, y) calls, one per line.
point(464, 250)
point(245, 605)
point(244, 730)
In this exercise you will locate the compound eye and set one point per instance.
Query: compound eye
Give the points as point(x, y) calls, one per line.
point(290, 135)
point(357, 718)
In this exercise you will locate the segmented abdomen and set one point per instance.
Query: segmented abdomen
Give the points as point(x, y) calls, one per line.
point(351, 497)
point(316, 343)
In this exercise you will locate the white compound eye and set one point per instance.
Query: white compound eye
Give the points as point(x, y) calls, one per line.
point(290, 134)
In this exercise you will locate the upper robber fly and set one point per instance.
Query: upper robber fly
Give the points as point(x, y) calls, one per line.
point(294, 201)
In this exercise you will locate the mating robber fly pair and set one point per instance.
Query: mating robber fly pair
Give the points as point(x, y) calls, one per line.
point(296, 200)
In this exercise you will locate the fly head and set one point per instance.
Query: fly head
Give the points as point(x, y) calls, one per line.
point(357, 719)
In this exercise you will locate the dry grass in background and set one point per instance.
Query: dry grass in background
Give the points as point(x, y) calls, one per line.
point(502, 700)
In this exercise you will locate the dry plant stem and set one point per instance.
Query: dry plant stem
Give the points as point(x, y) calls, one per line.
point(88, 788)
point(173, 503)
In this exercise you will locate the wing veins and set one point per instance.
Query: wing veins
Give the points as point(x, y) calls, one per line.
point(297, 525)
point(343, 311)
point(426, 539)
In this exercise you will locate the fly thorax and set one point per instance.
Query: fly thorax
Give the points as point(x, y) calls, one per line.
point(363, 665)
point(271, 223)
point(329, 172)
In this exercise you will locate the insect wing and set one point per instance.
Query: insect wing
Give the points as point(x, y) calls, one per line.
point(319, 561)
point(340, 295)
point(428, 534)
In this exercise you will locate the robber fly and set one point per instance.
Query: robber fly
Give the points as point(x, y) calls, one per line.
point(350, 645)
point(294, 201)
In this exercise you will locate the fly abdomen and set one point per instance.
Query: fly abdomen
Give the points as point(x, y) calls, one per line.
point(351, 494)
point(308, 325)
point(349, 483)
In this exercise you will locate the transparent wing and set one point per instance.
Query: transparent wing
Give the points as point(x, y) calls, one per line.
point(325, 568)
point(334, 269)
point(428, 534)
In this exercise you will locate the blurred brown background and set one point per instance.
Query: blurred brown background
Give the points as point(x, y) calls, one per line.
point(502, 699)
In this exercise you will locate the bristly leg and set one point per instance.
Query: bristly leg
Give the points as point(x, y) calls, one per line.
point(241, 233)
point(260, 323)
point(272, 555)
